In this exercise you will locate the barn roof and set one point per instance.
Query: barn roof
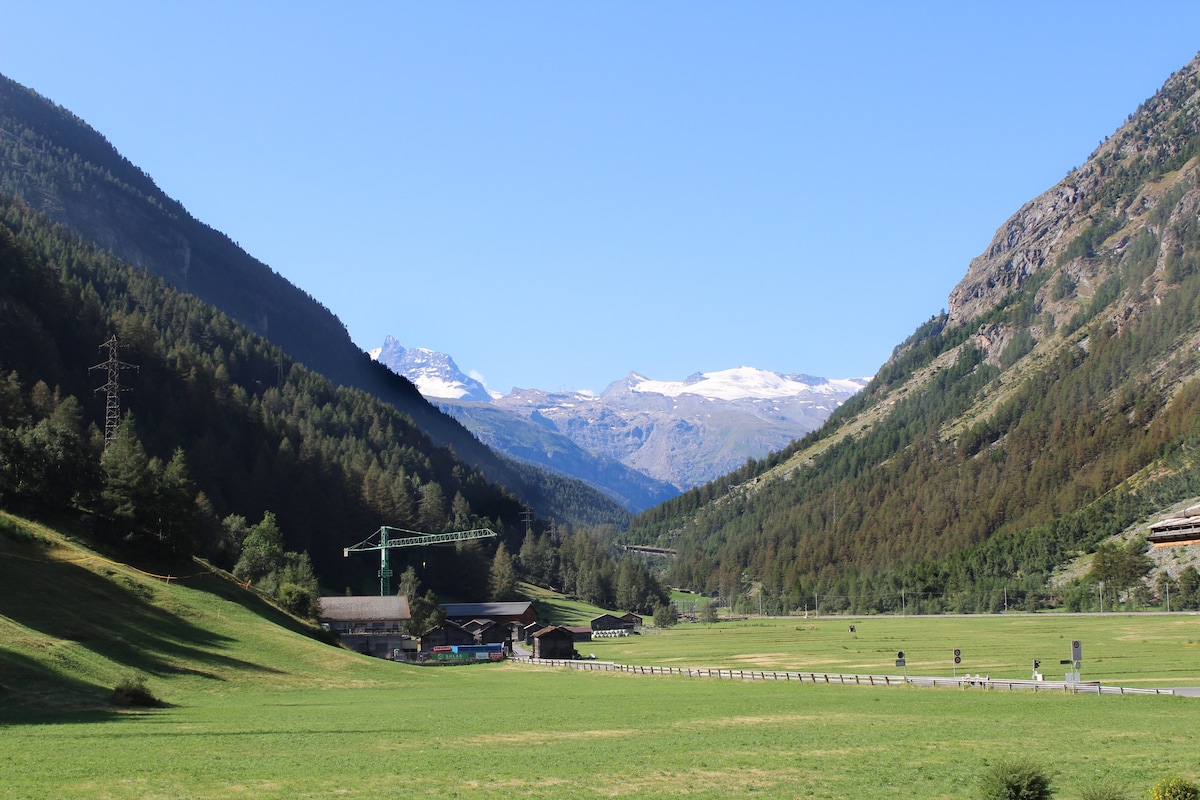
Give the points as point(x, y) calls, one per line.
point(1182, 527)
point(553, 630)
point(364, 608)
point(476, 610)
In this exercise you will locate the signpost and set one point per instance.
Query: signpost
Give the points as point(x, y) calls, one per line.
point(1076, 661)
point(900, 662)
point(957, 661)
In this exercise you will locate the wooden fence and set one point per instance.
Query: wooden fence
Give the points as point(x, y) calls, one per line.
point(964, 682)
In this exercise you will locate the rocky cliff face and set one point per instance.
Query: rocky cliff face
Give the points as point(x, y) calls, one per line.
point(1045, 233)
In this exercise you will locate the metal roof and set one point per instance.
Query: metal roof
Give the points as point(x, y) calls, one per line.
point(364, 608)
point(476, 610)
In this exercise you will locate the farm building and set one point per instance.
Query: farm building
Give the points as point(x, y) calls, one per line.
point(488, 632)
point(448, 634)
point(554, 642)
point(522, 612)
point(366, 624)
point(529, 630)
point(1182, 527)
point(607, 622)
point(581, 633)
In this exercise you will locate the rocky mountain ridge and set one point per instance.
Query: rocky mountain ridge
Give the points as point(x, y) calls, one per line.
point(1052, 407)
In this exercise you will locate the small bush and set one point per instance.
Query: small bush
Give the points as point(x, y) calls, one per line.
point(1015, 780)
point(1103, 791)
point(1175, 789)
point(132, 691)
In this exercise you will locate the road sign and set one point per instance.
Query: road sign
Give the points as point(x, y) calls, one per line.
point(1076, 650)
point(900, 654)
point(957, 656)
point(900, 662)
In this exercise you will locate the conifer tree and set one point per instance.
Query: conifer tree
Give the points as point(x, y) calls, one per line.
point(128, 478)
point(502, 579)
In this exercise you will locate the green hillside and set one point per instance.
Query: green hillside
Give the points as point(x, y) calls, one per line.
point(75, 623)
point(257, 707)
point(1054, 404)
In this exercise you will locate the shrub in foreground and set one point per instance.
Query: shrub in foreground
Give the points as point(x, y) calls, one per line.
point(1175, 789)
point(132, 691)
point(1015, 780)
point(1103, 791)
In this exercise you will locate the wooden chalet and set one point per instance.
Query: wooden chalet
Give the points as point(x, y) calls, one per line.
point(1180, 528)
point(366, 623)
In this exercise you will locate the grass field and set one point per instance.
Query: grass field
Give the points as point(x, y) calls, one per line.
point(1139, 650)
point(258, 709)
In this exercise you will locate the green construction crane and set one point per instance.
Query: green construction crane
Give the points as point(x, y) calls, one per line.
point(417, 539)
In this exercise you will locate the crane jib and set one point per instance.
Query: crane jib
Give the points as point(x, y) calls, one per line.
point(417, 539)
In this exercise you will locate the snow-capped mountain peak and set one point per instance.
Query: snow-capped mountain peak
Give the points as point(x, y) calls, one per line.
point(741, 383)
point(434, 374)
point(682, 433)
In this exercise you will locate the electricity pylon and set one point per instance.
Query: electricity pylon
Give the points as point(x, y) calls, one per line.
point(113, 389)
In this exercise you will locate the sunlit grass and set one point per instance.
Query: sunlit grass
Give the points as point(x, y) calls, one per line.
point(259, 709)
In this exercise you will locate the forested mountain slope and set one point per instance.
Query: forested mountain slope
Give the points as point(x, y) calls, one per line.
point(56, 164)
point(1054, 404)
point(221, 423)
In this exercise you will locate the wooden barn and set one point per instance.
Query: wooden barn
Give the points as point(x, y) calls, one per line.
point(447, 634)
point(607, 622)
point(554, 642)
point(521, 613)
point(581, 633)
point(529, 630)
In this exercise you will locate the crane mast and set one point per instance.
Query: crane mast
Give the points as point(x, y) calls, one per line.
point(414, 539)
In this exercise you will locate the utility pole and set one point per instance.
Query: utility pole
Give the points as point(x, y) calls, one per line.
point(112, 389)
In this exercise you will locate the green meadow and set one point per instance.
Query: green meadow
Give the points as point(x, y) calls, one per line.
point(258, 707)
point(1135, 650)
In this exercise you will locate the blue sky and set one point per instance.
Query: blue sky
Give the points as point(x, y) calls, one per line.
point(556, 194)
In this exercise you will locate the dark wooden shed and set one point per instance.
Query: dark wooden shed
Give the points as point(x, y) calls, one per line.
point(554, 642)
